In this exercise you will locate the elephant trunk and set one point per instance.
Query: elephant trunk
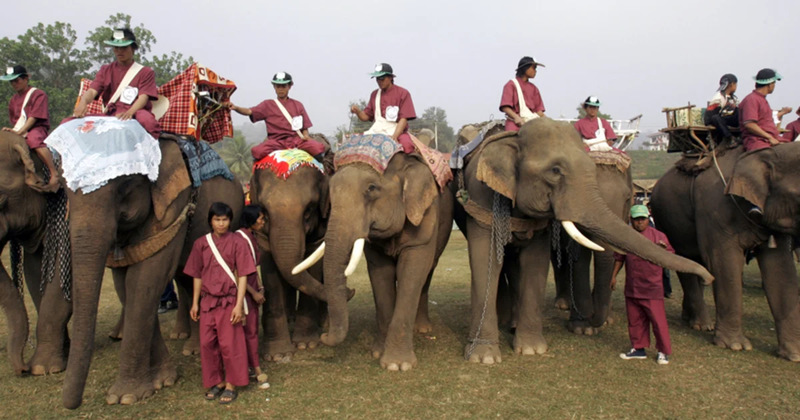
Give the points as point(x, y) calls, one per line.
point(287, 243)
point(339, 245)
point(91, 238)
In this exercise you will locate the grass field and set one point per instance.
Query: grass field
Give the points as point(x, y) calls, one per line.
point(651, 165)
point(579, 377)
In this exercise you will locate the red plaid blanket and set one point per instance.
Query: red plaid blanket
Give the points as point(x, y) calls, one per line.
point(94, 108)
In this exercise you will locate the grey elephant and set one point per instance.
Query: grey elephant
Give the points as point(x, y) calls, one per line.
point(706, 217)
point(516, 184)
point(23, 218)
point(124, 219)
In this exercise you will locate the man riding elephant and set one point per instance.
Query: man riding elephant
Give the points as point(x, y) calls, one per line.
point(755, 114)
point(596, 132)
point(521, 101)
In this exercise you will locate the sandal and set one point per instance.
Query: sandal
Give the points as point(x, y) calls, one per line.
point(262, 381)
point(228, 396)
point(214, 392)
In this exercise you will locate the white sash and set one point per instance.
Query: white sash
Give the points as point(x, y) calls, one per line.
point(599, 142)
point(252, 250)
point(224, 265)
point(524, 112)
point(23, 117)
point(288, 118)
point(381, 125)
point(126, 81)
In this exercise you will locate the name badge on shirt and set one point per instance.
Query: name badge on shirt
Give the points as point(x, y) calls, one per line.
point(129, 95)
point(391, 113)
point(297, 123)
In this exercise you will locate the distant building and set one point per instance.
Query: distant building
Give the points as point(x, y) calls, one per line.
point(657, 142)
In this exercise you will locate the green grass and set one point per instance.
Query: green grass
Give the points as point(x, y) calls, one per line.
point(579, 377)
point(650, 164)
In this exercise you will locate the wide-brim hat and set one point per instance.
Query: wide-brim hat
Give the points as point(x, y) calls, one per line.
point(767, 76)
point(160, 106)
point(382, 69)
point(639, 210)
point(526, 61)
point(592, 101)
point(121, 38)
point(13, 72)
point(281, 78)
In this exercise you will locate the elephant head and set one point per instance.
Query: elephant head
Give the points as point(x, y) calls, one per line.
point(366, 205)
point(546, 173)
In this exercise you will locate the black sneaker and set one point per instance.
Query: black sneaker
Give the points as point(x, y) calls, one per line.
point(634, 354)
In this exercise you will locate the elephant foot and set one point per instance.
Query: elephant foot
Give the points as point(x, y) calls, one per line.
point(562, 304)
point(529, 346)
point(115, 334)
point(166, 376)
point(279, 351)
point(487, 354)
point(178, 335)
point(377, 349)
point(423, 325)
point(127, 392)
point(395, 361)
point(698, 322)
point(736, 342)
point(789, 351)
point(47, 365)
point(191, 346)
point(581, 328)
point(305, 341)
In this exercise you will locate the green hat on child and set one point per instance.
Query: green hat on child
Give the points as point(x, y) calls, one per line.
point(639, 210)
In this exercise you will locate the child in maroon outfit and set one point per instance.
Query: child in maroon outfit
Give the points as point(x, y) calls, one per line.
point(212, 263)
point(253, 220)
point(644, 293)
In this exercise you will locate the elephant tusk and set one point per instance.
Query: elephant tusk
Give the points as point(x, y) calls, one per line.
point(311, 260)
point(355, 257)
point(575, 234)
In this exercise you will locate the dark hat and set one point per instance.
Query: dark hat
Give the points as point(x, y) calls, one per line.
point(592, 101)
point(767, 76)
point(728, 78)
point(14, 72)
point(382, 69)
point(526, 61)
point(122, 38)
point(281, 78)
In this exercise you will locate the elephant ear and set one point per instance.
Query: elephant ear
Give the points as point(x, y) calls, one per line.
point(324, 198)
point(173, 178)
point(32, 179)
point(419, 189)
point(751, 177)
point(497, 166)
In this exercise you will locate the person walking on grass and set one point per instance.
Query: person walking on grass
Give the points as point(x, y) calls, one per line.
point(644, 293)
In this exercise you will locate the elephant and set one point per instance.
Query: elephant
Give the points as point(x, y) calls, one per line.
point(588, 303)
point(705, 216)
point(115, 220)
point(23, 207)
point(405, 221)
point(515, 184)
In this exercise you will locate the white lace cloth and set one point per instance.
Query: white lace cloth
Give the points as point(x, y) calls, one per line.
point(95, 150)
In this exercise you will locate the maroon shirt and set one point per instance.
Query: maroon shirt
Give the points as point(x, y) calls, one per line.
point(203, 265)
point(110, 76)
point(252, 278)
point(643, 278)
point(278, 127)
point(533, 100)
point(755, 108)
point(35, 108)
point(587, 126)
point(792, 130)
point(393, 96)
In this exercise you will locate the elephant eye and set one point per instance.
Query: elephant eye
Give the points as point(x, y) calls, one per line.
point(556, 170)
point(372, 188)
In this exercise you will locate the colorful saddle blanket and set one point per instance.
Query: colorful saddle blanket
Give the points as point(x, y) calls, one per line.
point(376, 150)
point(95, 150)
point(203, 161)
point(284, 162)
point(614, 157)
point(437, 161)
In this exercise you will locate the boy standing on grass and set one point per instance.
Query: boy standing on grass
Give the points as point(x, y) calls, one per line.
point(644, 293)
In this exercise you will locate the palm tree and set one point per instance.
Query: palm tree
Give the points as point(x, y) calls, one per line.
point(235, 152)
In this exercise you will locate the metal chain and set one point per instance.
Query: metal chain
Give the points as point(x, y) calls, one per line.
point(573, 254)
point(16, 266)
point(500, 236)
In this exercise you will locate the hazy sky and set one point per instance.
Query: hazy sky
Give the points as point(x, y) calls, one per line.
point(637, 56)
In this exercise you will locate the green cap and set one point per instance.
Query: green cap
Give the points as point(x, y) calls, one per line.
point(13, 72)
point(592, 101)
point(382, 69)
point(121, 38)
point(639, 210)
point(281, 78)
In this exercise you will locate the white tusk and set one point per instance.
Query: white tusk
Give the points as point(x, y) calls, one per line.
point(575, 234)
point(355, 257)
point(311, 260)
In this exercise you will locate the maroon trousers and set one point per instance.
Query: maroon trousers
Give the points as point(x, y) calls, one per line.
point(405, 141)
point(642, 313)
point(251, 332)
point(222, 347)
point(268, 146)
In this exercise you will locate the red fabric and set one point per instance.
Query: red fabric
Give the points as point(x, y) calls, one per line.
point(641, 314)
point(755, 108)
point(533, 100)
point(35, 138)
point(268, 146)
point(393, 96)
point(95, 107)
point(35, 108)
point(643, 278)
point(792, 130)
point(222, 347)
point(182, 115)
point(202, 264)
point(278, 128)
point(588, 126)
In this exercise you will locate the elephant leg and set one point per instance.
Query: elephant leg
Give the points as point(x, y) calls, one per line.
point(118, 274)
point(695, 311)
point(580, 291)
point(382, 276)
point(306, 324)
point(601, 289)
point(505, 298)
point(183, 328)
point(144, 284)
point(32, 271)
point(52, 339)
point(413, 267)
point(534, 265)
point(780, 284)
point(17, 321)
point(483, 341)
point(561, 276)
point(422, 323)
point(162, 369)
point(726, 262)
point(274, 318)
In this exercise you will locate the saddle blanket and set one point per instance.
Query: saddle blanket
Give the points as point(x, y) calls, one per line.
point(614, 157)
point(95, 150)
point(461, 151)
point(437, 162)
point(376, 150)
point(203, 161)
point(284, 162)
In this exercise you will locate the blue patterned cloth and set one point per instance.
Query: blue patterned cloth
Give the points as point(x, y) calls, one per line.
point(204, 162)
point(376, 150)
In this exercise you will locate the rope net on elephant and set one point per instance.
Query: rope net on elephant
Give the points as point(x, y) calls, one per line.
point(57, 258)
